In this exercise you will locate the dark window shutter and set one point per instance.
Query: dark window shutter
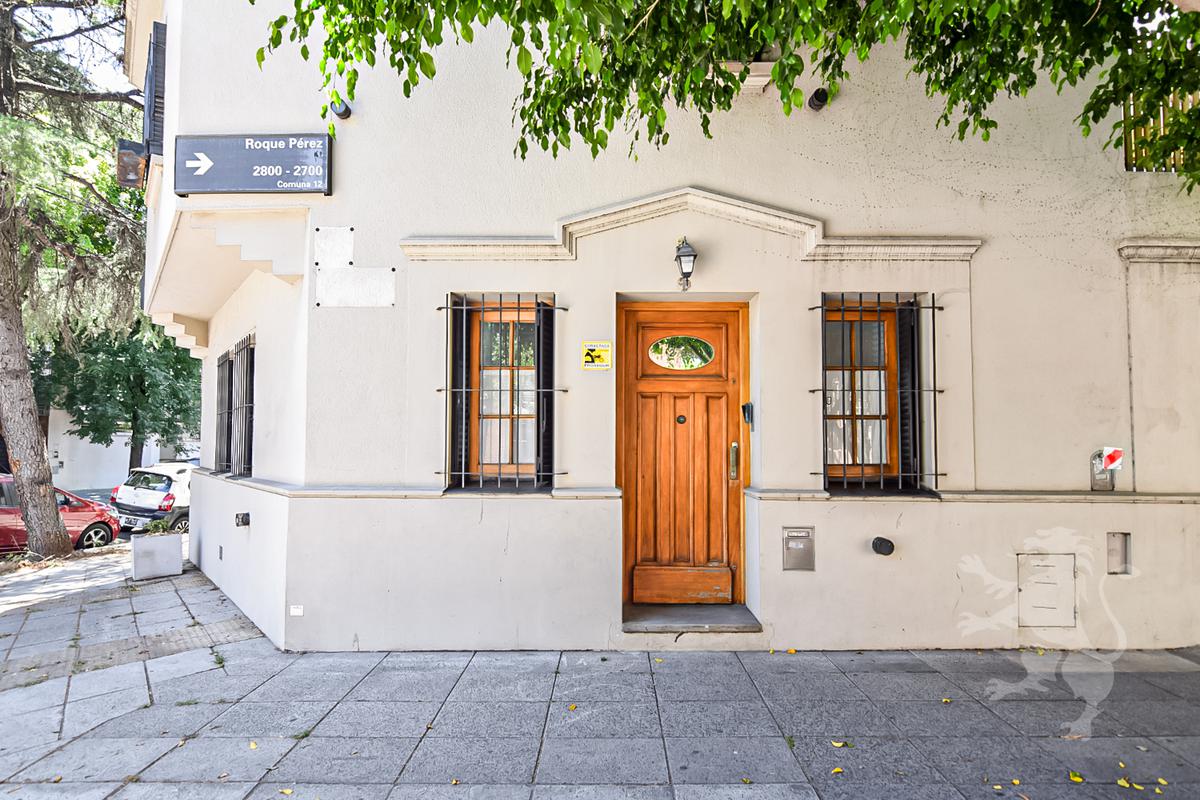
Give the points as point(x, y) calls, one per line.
point(459, 394)
point(156, 77)
point(545, 385)
point(224, 412)
point(908, 380)
point(247, 464)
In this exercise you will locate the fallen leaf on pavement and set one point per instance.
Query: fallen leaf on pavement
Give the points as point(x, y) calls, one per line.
point(1075, 777)
point(1123, 783)
point(285, 791)
point(254, 745)
point(1163, 781)
point(836, 771)
point(571, 707)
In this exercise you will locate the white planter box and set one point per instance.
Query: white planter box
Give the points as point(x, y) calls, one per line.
point(157, 556)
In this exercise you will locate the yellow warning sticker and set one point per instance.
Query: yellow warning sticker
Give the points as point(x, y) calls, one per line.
point(597, 355)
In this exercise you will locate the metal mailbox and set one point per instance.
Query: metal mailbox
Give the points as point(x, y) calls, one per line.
point(799, 548)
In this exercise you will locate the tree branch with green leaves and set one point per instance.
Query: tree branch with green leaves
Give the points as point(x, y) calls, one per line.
point(589, 66)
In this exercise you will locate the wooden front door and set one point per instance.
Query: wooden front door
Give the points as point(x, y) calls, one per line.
point(681, 452)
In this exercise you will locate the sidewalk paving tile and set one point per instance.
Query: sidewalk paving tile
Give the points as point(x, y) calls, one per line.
point(935, 718)
point(106, 681)
point(267, 719)
point(83, 760)
point(67, 791)
point(602, 761)
point(998, 759)
point(31, 698)
point(160, 720)
point(83, 715)
point(552, 792)
point(321, 791)
point(875, 759)
point(210, 758)
point(836, 718)
point(718, 718)
point(377, 718)
point(185, 791)
point(188, 662)
point(461, 791)
point(490, 718)
point(1098, 759)
point(472, 761)
point(603, 720)
point(319, 759)
point(580, 684)
point(730, 760)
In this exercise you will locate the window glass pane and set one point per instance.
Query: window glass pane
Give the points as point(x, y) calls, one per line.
point(525, 339)
point(495, 437)
point(526, 396)
point(872, 435)
point(835, 441)
point(526, 441)
point(871, 394)
point(837, 392)
point(681, 352)
point(494, 397)
point(870, 351)
point(837, 343)
point(495, 343)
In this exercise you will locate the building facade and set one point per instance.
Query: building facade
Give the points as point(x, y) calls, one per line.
point(461, 400)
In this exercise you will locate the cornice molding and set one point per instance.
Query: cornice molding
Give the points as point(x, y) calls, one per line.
point(897, 248)
point(1160, 251)
point(810, 231)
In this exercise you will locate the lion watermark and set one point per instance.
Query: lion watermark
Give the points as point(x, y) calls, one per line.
point(1087, 671)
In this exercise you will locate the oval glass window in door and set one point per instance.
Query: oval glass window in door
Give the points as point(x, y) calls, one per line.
point(681, 352)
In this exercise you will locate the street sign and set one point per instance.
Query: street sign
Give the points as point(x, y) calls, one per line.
point(253, 163)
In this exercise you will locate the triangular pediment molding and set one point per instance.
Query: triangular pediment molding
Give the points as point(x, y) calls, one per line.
point(810, 232)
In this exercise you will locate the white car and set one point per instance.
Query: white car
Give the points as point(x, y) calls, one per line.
point(162, 491)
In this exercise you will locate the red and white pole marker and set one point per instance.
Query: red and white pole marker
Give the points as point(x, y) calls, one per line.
point(1111, 457)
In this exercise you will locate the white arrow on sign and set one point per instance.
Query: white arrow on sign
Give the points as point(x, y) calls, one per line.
point(201, 163)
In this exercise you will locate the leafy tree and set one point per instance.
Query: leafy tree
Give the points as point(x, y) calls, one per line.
point(135, 380)
point(590, 65)
point(71, 240)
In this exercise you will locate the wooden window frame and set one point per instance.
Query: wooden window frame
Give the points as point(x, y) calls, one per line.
point(518, 313)
point(885, 313)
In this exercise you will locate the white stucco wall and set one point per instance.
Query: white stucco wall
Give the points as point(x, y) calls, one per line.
point(1049, 347)
point(78, 463)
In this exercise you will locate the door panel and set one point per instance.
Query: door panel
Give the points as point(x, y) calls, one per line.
point(678, 415)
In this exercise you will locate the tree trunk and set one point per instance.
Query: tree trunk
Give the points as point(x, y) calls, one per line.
point(18, 408)
point(137, 443)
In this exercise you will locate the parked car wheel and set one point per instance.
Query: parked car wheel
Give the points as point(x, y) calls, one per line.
point(94, 536)
point(180, 525)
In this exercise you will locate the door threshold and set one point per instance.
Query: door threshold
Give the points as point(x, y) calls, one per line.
point(683, 618)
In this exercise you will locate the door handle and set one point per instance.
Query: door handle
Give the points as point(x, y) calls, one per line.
point(733, 461)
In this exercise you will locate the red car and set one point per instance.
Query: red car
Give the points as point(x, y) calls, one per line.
point(89, 524)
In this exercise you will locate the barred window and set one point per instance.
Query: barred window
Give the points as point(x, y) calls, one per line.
point(235, 409)
point(501, 391)
point(880, 400)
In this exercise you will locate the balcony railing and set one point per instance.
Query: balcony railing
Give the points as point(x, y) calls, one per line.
point(1135, 148)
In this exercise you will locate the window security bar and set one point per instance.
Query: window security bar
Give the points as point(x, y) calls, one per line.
point(879, 391)
point(496, 308)
point(500, 391)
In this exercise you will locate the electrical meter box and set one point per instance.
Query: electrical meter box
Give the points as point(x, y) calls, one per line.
point(1103, 480)
point(799, 548)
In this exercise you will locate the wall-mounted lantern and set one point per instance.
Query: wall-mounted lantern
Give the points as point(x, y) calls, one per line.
point(685, 259)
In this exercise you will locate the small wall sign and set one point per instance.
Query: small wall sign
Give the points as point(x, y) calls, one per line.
point(597, 355)
point(253, 163)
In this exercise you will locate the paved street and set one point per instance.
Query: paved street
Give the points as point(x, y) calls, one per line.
point(163, 690)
